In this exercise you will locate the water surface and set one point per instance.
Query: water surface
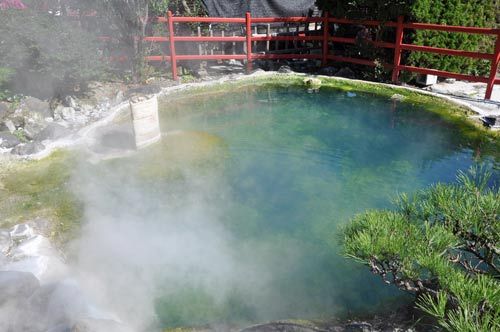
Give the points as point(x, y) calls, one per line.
point(278, 171)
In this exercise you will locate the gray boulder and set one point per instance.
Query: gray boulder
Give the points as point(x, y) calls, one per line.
point(31, 116)
point(33, 127)
point(21, 232)
point(4, 110)
point(53, 306)
point(9, 126)
point(64, 113)
point(5, 240)
point(358, 327)
point(35, 106)
point(328, 71)
point(282, 327)
point(53, 131)
point(8, 140)
point(346, 72)
point(17, 120)
point(16, 285)
point(285, 70)
point(69, 101)
point(27, 148)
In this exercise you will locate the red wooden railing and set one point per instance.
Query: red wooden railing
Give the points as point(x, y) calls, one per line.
point(325, 39)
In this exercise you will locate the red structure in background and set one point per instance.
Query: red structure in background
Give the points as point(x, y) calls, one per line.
point(398, 46)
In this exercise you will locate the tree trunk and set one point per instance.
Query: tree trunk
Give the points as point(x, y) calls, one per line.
point(139, 62)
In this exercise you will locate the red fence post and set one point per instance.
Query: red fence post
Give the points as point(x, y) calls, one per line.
point(173, 58)
point(248, 21)
point(326, 36)
point(397, 49)
point(494, 67)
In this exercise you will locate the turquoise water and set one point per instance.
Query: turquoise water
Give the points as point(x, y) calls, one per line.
point(290, 168)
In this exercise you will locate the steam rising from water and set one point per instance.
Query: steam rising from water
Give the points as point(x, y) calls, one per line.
point(146, 239)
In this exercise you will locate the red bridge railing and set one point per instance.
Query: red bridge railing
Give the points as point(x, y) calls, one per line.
point(398, 46)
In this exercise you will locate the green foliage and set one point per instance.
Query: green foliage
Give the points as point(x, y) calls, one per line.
point(34, 189)
point(5, 75)
point(159, 7)
point(442, 244)
point(44, 53)
point(478, 13)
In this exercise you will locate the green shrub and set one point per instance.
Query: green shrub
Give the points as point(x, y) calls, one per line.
point(46, 52)
point(478, 13)
point(441, 244)
point(5, 75)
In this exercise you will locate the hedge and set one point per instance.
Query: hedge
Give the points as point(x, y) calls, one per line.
point(478, 13)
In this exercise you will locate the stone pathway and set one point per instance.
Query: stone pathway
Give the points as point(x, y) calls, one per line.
point(470, 93)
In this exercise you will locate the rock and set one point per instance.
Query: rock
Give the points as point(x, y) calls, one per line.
point(4, 110)
point(346, 72)
point(69, 101)
point(37, 256)
point(120, 96)
point(35, 105)
point(8, 140)
point(33, 127)
point(95, 85)
point(16, 285)
point(312, 82)
point(491, 121)
point(285, 70)
point(234, 62)
point(53, 306)
point(143, 90)
point(10, 125)
point(281, 327)
point(18, 121)
point(87, 109)
point(28, 148)
point(15, 289)
point(450, 80)
point(64, 113)
point(99, 325)
point(398, 97)
point(21, 232)
point(328, 71)
point(34, 246)
point(30, 116)
point(5, 241)
point(53, 131)
point(358, 327)
point(201, 73)
point(80, 120)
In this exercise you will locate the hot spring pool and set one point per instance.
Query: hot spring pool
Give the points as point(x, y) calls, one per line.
point(236, 214)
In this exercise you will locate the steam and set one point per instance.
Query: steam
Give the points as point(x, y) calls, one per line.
point(142, 240)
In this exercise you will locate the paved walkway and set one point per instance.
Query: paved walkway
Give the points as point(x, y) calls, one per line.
point(472, 94)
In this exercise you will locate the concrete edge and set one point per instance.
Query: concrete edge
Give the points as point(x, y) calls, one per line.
point(86, 134)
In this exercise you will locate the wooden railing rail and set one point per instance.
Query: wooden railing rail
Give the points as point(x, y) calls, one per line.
point(326, 39)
